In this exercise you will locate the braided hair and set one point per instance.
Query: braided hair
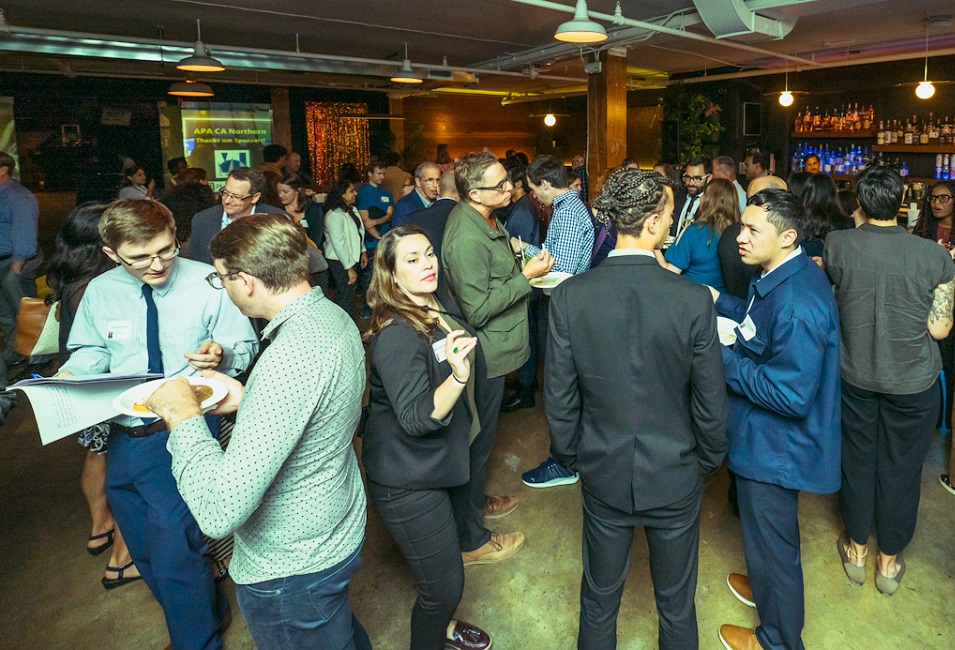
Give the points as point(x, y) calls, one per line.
point(630, 196)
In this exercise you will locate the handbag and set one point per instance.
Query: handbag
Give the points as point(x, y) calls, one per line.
point(38, 328)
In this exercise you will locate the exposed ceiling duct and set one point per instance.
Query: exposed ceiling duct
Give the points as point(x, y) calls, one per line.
point(726, 18)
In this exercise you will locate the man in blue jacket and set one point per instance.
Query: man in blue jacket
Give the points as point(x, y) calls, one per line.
point(784, 432)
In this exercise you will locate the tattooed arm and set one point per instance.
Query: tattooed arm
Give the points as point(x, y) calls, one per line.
point(940, 316)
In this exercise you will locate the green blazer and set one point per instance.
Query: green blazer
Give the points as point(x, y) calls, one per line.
point(487, 284)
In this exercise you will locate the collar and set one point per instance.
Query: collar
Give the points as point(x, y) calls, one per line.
point(290, 310)
point(160, 290)
point(445, 198)
point(882, 230)
point(468, 211)
point(794, 262)
point(424, 201)
point(624, 252)
point(226, 219)
point(564, 197)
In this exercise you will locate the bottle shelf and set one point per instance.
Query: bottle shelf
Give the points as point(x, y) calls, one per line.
point(908, 179)
point(835, 135)
point(914, 148)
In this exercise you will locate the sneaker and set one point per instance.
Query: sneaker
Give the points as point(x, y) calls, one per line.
point(946, 482)
point(501, 546)
point(465, 636)
point(739, 585)
point(550, 473)
point(497, 507)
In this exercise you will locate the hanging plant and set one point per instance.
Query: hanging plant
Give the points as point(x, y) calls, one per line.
point(697, 118)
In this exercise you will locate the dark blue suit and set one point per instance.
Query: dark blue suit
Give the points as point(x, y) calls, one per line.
point(784, 429)
point(433, 220)
point(409, 203)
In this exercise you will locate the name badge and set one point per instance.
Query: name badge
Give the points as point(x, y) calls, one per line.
point(440, 350)
point(119, 330)
point(747, 328)
point(385, 199)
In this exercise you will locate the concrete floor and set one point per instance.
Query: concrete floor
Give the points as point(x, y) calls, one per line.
point(51, 598)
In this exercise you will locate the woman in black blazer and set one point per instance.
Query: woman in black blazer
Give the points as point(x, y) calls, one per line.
point(426, 369)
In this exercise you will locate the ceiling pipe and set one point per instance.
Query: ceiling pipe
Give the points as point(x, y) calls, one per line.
point(545, 4)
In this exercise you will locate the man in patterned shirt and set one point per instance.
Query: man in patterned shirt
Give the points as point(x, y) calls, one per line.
point(288, 485)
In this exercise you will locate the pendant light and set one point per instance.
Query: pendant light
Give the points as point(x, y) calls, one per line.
point(405, 74)
point(925, 89)
point(786, 98)
point(189, 88)
point(581, 29)
point(200, 61)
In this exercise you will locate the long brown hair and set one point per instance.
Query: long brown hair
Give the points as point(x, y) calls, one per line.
point(719, 207)
point(386, 299)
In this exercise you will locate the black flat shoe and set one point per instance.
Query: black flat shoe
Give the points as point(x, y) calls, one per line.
point(96, 550)
point(517, 402)
point(113, 583)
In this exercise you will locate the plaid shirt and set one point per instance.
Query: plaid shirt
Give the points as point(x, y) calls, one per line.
point(570, 236)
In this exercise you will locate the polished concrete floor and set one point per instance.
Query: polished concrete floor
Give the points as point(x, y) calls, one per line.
point(51, 598)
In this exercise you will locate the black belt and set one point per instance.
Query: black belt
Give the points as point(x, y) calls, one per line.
point(5, 257)
point(141, 431)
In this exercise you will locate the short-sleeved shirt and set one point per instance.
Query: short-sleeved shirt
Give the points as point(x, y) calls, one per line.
point(697, 253)
point(371, 196)
point(885, 283)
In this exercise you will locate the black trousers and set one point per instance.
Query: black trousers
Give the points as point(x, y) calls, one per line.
point(673, 537)
point(471, 530)
point(423, 525)
point(769, 517)
point(884, 442)
point(344, 292)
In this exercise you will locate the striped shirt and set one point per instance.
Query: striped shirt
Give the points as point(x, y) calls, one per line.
point(109, 330)
point(570, 236)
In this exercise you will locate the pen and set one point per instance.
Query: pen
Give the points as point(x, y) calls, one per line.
point(36, 376)
point(521, 252)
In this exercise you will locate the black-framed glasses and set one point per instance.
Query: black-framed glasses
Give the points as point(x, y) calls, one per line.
point(499, 187)
point(693, 179)
point(229, 195)
point(941, 198)
point(146, 262)
point(215, 279)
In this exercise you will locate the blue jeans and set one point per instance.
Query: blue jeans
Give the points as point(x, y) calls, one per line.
point(310, 611)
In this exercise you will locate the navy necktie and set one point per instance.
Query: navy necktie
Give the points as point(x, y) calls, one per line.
point(152, 331)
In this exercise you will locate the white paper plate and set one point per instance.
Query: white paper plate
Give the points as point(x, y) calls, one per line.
point(124, 402)
point(726, 328)
point(549, 281)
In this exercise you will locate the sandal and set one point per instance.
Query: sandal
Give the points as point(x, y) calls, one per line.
point(119, 581)
point(96, 550)
point(854, 572)
point(886, 585)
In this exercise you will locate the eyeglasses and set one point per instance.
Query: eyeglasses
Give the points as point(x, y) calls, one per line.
point(236, 197)
point(941, 198)
point(433, 181)
point(499, 187)
point(694, 179)
point(215, 278)
point(147, 262)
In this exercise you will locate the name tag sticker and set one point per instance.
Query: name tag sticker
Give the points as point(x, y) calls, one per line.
point(385, 199)
point(440, 350)
point(119, 330)
point(747, 328)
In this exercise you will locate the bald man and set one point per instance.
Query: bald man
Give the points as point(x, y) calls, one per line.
point(765, 182)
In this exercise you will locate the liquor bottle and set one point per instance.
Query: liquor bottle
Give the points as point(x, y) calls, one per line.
point(904, 170)
point(933, 129)
point(909, 135)
point(807, 121)
point(869, 118)
point(817, 120)
point(938, 166)
point(880, 136)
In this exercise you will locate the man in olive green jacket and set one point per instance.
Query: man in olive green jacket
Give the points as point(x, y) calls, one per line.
point(491, 289)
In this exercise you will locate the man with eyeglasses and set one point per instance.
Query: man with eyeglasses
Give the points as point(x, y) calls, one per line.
point(156, 313)
point(427, 178)
point(293, 497)
point(241, 197)
point(695, 177)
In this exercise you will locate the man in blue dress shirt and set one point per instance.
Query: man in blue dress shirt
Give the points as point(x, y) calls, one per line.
point(156, 312)
point(784, 429)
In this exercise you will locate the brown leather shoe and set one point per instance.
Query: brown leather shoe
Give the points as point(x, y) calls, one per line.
point(497, 507)
point(739, 585)
point(735, 637)
point(500, 547)
point(465, 636)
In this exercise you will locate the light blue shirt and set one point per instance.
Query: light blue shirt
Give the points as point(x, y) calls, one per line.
point(109, 331)
point(570, 236)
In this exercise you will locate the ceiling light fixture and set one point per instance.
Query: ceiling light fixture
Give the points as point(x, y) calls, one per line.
point(925, 89)
point(550, 120)
point(786, 99)
point(406, 75)
point(200, 61)
point(581, 29)
point(190, 88)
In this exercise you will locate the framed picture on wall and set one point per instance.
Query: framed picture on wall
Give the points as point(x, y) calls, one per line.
point(752, 118)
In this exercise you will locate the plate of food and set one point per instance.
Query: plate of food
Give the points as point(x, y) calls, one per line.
point(726, 328)
point(133, 401)
point(549, 281)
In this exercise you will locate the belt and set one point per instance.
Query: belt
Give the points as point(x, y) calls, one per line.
point(5, 257)
point(141, 431)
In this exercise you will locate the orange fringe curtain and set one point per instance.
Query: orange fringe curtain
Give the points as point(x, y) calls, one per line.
point(333, 140)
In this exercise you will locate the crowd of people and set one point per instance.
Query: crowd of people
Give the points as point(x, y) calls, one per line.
point(696, 323)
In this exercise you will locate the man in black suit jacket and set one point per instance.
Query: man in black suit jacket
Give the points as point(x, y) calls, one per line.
point(240, 198)
point(435, 218)
point(636, 405)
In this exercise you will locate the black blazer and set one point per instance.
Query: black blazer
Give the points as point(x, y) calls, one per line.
point(208, 223)
point(679, 200)
point(403, 446)
point(433, 220)
point(633, 382)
